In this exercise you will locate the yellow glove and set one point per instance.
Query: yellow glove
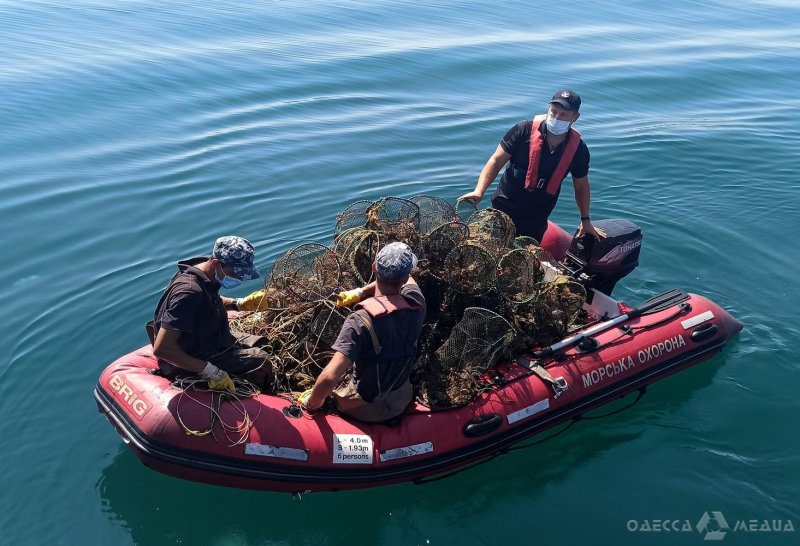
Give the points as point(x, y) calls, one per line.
point(218, 380)
point(256, 301)
point(224, 384)
point(304, 396)
point(348, 297)
point(561, 279)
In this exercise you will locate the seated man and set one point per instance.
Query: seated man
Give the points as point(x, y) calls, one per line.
point(379, 339)
point(190, 330)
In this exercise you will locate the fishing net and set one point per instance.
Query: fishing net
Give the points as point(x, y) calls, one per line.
point(433, 212)
point(354, 216)
point(525, 242)
point(492, 229)
point(395, 219)
point(389, 211)
point(253, 323)
point(465, 208)
point(476, 342)
point(544, 256)
point(276, 269)
point(470, 269)
point(569, 296)
point(356, 249)
point(548, 317)
point(437, 244)
point(470, 262)
point(450, 375)
point(326, 325)
point(531, 245)
point(518, 274)
point(308, 272)
point(297, 358)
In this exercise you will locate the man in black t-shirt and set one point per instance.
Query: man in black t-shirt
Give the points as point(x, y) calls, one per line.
point(378, 341)
point(539, 154)
point(190, 331)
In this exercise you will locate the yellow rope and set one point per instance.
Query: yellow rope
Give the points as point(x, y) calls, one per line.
point(244, 390)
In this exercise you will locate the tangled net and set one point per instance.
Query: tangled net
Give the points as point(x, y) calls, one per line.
point(471, 262)
point(307, 272)
point(492, 229)
point(356, 248)
point(519, 273)
point(448, 376)
point(469, 269)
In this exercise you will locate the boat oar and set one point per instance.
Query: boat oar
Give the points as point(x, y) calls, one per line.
point(663, 301)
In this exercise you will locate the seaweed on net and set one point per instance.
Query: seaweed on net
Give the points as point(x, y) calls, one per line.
point(308, 272)
point(449, 375)
point(395, 219)
point(356, 249)
point(519, 273)
point(492, 229)
point(437, 244)
point(470, 269)
point(392, 210)
point(550, 315)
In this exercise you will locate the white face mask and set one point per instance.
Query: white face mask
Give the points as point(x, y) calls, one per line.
point(557, 126)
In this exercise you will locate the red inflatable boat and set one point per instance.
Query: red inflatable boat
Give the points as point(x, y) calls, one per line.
point(286, 449)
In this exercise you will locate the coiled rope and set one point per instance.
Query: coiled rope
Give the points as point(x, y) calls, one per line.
point(234, 433)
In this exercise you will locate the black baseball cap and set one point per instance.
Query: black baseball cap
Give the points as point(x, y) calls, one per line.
point(567, 98)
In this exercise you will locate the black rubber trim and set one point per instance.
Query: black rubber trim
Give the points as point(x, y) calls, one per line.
point(670, 298)
point(704, 332)
point(293, 411)
point(377, 475)
point(483, 424)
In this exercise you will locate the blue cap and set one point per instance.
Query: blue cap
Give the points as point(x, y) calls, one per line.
point(238, 254)
point(394, 261)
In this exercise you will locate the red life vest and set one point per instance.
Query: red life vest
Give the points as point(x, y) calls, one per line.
point(532, 180)
point(380, 306)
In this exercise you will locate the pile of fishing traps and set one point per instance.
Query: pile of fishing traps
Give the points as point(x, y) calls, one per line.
point(485, 290)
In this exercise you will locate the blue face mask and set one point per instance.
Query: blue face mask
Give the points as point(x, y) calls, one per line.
point(228, 282)
point(557, 126)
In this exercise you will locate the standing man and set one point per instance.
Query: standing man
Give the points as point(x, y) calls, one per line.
point(539, 154)
point(378, 340)
point(190, 330)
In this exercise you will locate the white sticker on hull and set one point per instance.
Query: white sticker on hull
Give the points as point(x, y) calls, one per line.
point(352, 449)
point(263, 450)
point(697, 319)
point(527, 412)
point(408, 451)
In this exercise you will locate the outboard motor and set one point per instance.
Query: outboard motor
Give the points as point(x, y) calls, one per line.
point(599, 264)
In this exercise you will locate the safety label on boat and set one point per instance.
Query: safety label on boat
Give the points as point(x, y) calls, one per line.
point(407, 451)
point(527, 412)
point(264, 450)
point(697, 319)
point(352, 449)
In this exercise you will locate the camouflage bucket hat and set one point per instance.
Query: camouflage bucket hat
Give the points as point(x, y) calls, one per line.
point(238, 254)
point(394, 261)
